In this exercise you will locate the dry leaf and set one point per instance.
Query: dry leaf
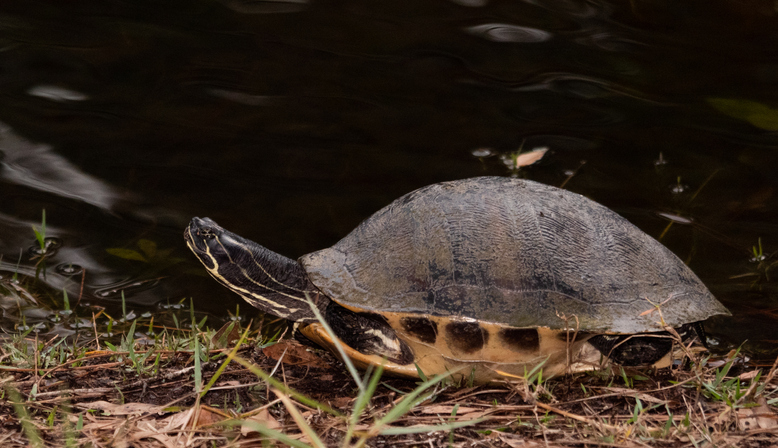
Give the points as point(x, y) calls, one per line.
point(515, 441)
point(121, 409)
point(340, 402)
point(262, 417)
point(732, 355)
point(103, 425)
point(446, 410)
point(207, 416)
point(226, 335)
point(758, 114)
point(760, 417)
point(176, 421)
point(148, 430)
point(127, 254)
point(528, 158)
point(632, 393)
point(296, 354)
point(749, 375)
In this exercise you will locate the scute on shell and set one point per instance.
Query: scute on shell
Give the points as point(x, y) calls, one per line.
point(511, 252)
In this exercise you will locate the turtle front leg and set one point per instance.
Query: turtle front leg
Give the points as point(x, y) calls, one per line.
point(367, 333)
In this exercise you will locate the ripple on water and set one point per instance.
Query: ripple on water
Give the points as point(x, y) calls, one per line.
point(56, 93)
point(503, 32)
point(116, 290)
point(69, 269)
point(50, 247)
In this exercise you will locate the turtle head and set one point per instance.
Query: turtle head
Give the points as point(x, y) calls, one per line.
point(271, 282)
point(212, 244)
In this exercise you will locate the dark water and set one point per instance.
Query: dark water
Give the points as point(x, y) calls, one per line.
point(289, 122)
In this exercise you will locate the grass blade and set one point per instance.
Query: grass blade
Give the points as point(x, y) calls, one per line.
point(226, 362)
point(300, 420)
point(270, 433)
point(33, 436)
point(349, 365)
point(282, 387)
point(429, 428)
point(411, 400)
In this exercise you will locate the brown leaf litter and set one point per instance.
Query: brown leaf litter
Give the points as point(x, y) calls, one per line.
point(114, 406)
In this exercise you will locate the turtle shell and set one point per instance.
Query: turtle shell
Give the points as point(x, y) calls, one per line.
point(514, 253)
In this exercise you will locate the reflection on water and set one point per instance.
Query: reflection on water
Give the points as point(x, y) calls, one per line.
point(38, 167)
point(56, 93)
point(501, 32)
point(292, 121)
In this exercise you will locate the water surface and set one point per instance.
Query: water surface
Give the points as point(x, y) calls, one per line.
point(289, 122)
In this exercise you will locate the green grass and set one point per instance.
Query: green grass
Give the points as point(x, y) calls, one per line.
point(40, 233)
point(531, 406)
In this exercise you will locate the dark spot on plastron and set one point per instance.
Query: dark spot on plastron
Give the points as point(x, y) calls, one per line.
point(466, 337)
point(421, 328)
point(521, 339)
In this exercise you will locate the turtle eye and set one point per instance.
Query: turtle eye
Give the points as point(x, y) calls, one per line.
point(207, 234)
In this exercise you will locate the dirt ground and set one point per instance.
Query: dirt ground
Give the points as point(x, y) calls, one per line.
point(105, 401)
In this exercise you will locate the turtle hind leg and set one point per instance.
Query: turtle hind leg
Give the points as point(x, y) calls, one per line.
point(633, 350)
point(688, 331)
point(367, 333)
point(643, 349)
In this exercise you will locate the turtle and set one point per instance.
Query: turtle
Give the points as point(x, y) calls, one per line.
point(482, 278)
